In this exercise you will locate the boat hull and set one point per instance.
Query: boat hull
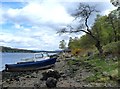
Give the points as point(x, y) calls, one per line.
point(31, 65)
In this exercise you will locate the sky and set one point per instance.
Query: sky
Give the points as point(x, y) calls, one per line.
point(33, 24)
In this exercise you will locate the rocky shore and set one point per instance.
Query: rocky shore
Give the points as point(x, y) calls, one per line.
point(61, 75)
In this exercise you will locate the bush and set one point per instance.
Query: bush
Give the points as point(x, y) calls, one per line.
point(112, 48)
point(76, 51)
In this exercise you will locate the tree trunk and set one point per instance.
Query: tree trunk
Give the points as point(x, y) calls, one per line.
point(99, 47)
point(97, 44)
point(115, 38)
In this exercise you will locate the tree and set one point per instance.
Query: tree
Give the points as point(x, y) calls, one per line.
point(115, 3)
point(62, 44)
point(83, 14)
point(114, 21)
point(86, 42)
point(102, 30)
point(73, 43)
point(70, 43)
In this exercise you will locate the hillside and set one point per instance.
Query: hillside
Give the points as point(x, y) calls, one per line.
point(14, 50)
point(9, 49)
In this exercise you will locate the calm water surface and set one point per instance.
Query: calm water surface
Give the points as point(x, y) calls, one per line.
point(10, 58)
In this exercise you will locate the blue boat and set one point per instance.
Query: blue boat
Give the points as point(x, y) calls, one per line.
point(38, 62)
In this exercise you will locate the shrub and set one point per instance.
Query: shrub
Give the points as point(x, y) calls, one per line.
point(112, 48)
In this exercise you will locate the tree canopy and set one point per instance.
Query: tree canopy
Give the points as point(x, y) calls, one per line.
point(104, 30)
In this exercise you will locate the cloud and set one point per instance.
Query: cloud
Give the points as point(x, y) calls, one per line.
point(39, 40)
point(105, 8)
point(39, 13)
point(42, 19)
point(34, 38)
point(106, 12)
point(17, 26)
point(35, 24)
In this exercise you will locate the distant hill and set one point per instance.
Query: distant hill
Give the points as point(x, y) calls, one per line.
point(16, 50)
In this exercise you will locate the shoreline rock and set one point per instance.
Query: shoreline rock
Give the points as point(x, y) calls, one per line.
point(51, 82)
point(50, 73)
point(58, 76)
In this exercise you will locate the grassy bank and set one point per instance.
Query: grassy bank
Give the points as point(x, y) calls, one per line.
point(104, 69)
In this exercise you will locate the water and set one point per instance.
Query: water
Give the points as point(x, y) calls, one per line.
point(11, 58)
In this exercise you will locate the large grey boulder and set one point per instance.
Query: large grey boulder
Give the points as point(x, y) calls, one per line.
point(51, 82)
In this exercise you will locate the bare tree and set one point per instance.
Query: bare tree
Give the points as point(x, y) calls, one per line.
point(82, 15)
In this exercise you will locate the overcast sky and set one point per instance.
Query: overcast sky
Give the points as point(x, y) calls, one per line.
point(33, 24)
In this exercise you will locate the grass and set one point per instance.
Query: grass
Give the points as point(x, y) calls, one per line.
point(73, 66)
point(106, 70)
point(104, 65)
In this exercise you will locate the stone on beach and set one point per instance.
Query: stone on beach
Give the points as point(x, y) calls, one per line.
point(50, 73)
point(51, 82)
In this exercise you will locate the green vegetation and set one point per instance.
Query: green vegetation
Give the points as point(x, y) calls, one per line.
point(104, 71)
point(112, 48)
point(99, 48)
point(104, 30)
point(62, 44)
